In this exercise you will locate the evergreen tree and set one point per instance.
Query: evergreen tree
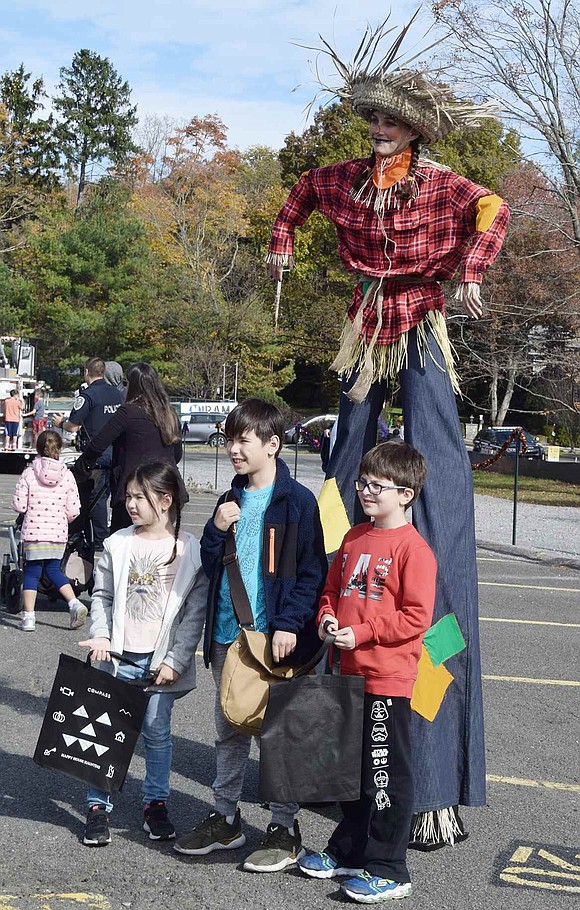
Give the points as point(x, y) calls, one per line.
point(28, 139)
point(96, 114)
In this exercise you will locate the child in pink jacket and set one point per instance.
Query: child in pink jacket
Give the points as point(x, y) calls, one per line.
point(47, 494)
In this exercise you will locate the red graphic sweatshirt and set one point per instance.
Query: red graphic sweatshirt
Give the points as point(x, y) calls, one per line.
point(382, 584)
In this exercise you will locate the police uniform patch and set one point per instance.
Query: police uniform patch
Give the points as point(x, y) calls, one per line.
point(78, 403)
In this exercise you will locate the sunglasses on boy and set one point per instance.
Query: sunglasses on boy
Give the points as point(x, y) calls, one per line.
point(374, 487)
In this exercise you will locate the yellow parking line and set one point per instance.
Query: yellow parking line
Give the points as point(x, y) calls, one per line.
point(507, 584)
point(538, 682)
point(523, 782)
point(531, 622)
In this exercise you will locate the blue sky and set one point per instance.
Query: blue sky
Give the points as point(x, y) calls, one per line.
point(188, 58)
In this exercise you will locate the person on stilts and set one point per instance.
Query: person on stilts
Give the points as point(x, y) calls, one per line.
point(404, 224)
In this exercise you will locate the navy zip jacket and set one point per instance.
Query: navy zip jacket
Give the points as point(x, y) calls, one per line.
point(294, 562)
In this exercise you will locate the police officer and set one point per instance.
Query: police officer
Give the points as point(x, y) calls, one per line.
point(92, 408)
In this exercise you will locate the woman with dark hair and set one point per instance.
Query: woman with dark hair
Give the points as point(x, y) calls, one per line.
point(144, 429)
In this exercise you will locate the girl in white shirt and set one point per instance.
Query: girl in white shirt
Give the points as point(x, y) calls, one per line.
point(149, 604)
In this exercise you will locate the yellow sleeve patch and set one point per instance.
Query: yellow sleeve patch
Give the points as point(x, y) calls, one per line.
point(485, 211)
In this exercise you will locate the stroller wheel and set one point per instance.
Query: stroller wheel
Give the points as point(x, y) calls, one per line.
point(13, 595)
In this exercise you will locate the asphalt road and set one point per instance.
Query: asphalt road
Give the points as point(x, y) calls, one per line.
point(523, 850)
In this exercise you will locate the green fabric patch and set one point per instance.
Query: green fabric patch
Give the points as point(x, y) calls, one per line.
point(365, 286)
point(444, 639)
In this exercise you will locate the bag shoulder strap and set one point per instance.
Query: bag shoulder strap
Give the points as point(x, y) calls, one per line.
point(238, 592)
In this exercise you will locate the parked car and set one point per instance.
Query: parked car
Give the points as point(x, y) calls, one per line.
point(490, 439)
point(294, 434)
point(201, 427)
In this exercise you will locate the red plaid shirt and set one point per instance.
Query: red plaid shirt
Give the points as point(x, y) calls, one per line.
point(432, 237)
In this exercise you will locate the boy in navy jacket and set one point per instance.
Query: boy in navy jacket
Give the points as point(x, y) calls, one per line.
point(283, 564)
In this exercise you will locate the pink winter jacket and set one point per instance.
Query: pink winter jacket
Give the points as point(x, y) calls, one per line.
point(47, 493)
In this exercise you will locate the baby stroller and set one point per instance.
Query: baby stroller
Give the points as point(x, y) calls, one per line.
point(77, 562)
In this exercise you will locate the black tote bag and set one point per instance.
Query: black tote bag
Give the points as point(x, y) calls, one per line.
point(311, 739)
point(91, 725)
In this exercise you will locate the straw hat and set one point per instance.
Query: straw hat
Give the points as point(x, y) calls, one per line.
point(390, 85)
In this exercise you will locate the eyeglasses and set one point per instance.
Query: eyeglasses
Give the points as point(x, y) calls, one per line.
point(374, 488)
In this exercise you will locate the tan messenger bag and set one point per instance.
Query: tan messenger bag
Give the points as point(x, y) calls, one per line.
point(249, 667)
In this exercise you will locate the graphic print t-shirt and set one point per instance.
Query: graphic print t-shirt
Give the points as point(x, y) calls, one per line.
point(249, 532)
point(148, 588)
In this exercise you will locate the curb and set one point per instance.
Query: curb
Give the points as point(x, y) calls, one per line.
point(546, 557)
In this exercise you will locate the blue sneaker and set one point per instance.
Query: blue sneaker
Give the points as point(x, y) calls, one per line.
point(323, 865)
point(370, 889)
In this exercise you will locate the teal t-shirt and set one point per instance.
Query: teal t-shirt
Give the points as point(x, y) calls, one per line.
point(249, 534)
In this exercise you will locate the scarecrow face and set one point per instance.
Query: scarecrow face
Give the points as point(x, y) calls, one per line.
point(389, 135)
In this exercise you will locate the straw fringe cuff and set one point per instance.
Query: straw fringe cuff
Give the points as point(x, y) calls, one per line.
point(284, 260)
point(374, 362)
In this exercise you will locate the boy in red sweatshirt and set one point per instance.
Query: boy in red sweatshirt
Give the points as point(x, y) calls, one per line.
point(378, 602)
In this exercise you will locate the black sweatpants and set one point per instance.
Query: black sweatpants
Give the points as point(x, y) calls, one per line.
point(374, 832)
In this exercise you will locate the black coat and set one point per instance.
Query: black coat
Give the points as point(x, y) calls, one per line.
point(136, 441)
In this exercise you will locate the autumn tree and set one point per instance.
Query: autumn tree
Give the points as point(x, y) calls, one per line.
point(525, 52)
point(529, 303)
point(196, 206)
point(96, 115)
point(558, 389)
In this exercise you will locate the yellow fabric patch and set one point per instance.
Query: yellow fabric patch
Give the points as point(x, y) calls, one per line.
point(333, 515)
point(485, 211)
point(430, 686)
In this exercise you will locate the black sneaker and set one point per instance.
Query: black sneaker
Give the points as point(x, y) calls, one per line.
point(156, 822)
point(278, 850)
point(97, 832)
point(213, 833)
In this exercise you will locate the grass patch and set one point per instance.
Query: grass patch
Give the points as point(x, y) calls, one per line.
point(531, 489)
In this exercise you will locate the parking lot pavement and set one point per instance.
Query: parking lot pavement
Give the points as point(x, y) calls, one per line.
point(522, 852)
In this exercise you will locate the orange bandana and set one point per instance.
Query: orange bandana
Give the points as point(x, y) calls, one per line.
point(389, 171)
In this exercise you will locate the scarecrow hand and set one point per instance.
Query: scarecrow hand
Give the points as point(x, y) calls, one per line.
point(471, 297)
point(274, 271)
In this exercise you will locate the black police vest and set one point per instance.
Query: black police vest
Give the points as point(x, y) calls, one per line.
point(103, 400)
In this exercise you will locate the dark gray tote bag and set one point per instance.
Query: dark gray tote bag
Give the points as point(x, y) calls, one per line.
point(311, 739)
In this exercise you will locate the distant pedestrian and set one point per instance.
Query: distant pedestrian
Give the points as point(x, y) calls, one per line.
point(92, 409)
point(38, 414)
point(47, 495)
point(114, 375)
point(326, 446)
point(12, 413)
point(145, 428)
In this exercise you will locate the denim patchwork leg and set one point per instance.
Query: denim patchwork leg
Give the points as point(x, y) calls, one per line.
point(448, 754)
